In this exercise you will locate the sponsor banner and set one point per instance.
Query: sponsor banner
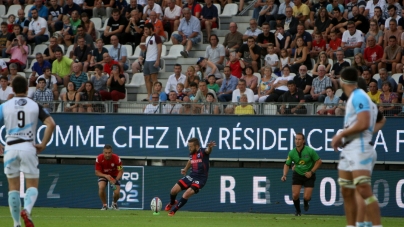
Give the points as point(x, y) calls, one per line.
point(237, 137)
point(227, 190)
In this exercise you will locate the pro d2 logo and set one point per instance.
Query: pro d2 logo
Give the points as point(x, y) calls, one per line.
point(131, 194)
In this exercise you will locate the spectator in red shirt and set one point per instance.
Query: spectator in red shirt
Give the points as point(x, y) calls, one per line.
point(373, 53)
point(195, 8)
point(236, 65)
point(334, 44)
point(109, 62)
point(318, 45)
point(108, 168)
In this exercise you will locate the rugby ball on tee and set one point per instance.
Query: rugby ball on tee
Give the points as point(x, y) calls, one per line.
point(156, 204)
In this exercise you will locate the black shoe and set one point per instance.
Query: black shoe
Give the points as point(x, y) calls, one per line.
point(184, 54)
point(298, 214)
point(306, 206)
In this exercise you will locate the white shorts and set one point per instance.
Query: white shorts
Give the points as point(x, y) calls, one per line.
point(352, 158)
point(21, 157)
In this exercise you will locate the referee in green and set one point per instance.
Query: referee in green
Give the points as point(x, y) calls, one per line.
point(306, 162)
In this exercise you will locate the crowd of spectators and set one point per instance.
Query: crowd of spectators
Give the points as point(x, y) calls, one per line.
point(272, 59)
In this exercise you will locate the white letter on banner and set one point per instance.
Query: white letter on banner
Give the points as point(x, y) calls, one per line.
point(264, 139)
point(333, 194)
point(162, 137)
point(280, 139)
point(204, 142)
point(68, 134)
point(99, 136)
point(328, 140)
point(248, 138)
point(225, 138)
point(79, 135)
point(139, 137)
point(383, 142)
point(114, 137)
point(309, 137)
point(399, 198)
point(257, 190)
point(149, 137)
point(258, 139)
point(386, 192)
point(236, 138)
point(38, 139)
point(398, 141)
point(181, 136)
point(292, 137)
point(230, 189)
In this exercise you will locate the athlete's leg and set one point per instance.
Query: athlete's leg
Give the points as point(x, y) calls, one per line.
point(360, 204)
point(348, 193)
point(187, 194)
point(31, 194)
point(295, 195)
point(14, 201)
point(308, 191)
point(362, 181)
point(173, 193)
point(101, 192)
point(116, 193)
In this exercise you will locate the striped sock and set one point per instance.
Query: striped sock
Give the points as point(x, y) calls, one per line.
point(14, 203)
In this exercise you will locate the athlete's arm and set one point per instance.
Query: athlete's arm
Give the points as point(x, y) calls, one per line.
point(187, 166)
point(211, 144)
point(285, 172)
point(120, 169)
point(316, 166)
point(100, 174)
point(360, 125)
point(50, 127)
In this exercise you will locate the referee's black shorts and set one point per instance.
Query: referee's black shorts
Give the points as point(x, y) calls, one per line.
point(303, 180)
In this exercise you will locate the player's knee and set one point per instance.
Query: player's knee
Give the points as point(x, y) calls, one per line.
point(371, 200)
point(362, 180)
point(295, 196)
point(344, 183)
point(195, 189)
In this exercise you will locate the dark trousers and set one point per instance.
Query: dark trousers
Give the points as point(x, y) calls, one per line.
point(39, 39)
point(275, 96)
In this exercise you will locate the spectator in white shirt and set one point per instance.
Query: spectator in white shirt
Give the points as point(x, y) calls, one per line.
point(215, 52)
point(38, 29)
point(253, 31)
point(6, 92)
point(174, 79)
point(392, 11)
point(171, 19)
point(352, 40)
point(370, 7)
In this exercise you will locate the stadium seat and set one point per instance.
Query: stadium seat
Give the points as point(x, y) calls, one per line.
point(338, 93)
point(310, 31)
point(270, 109)
point(274, 75)
point(396, 77)
point(2, 10)
point(29, 69)
point(69, 49)
point(129, 50)
point(105, 25)
point(137, 80)
point(169, 42)
point(219, 8)
point(348, 60)
point(320, 106)
point(163, 50)
point(330, 61)
point(1, 20)
point(97, 23)
point(258, 75)
point(26, 9)
point(229, 10)
point(126, 78)
point(62, 47)
point(13, 9)
point(174, 51)
point(22, 74)
point(136, 54)
point(376, 76)
point(108, 47)
point(40, 48)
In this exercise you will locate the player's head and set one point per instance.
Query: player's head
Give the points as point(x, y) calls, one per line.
point(193, 145)
point(107, 151)
point(349, 77)
point(299, 139)
point(19, 85)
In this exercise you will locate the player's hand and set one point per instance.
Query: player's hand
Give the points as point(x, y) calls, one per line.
point(336, 142)
point(308, 174)
point(183, 172)
point(112, 180)
point(39, 148)
point(212, 144)
point(283, 178)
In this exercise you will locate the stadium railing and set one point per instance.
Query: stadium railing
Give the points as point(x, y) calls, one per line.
point(216, 108)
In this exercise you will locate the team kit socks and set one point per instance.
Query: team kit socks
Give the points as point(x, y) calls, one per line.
point(14, 203)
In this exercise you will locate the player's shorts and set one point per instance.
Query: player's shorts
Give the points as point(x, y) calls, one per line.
point(298, 179)
point(21, 157)
point(357, 156)
point(117, 183)
point(192, 182)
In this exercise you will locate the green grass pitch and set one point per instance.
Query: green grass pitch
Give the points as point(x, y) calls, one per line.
point(69, 217)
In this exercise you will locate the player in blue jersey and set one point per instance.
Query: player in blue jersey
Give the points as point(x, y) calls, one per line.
point(358, 155)
point(192, 183)
point(21, 115)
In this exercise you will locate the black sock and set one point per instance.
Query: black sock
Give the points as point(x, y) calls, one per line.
point(172, 199)
point(297, 205)
point(306, 202)
point(180, 204)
